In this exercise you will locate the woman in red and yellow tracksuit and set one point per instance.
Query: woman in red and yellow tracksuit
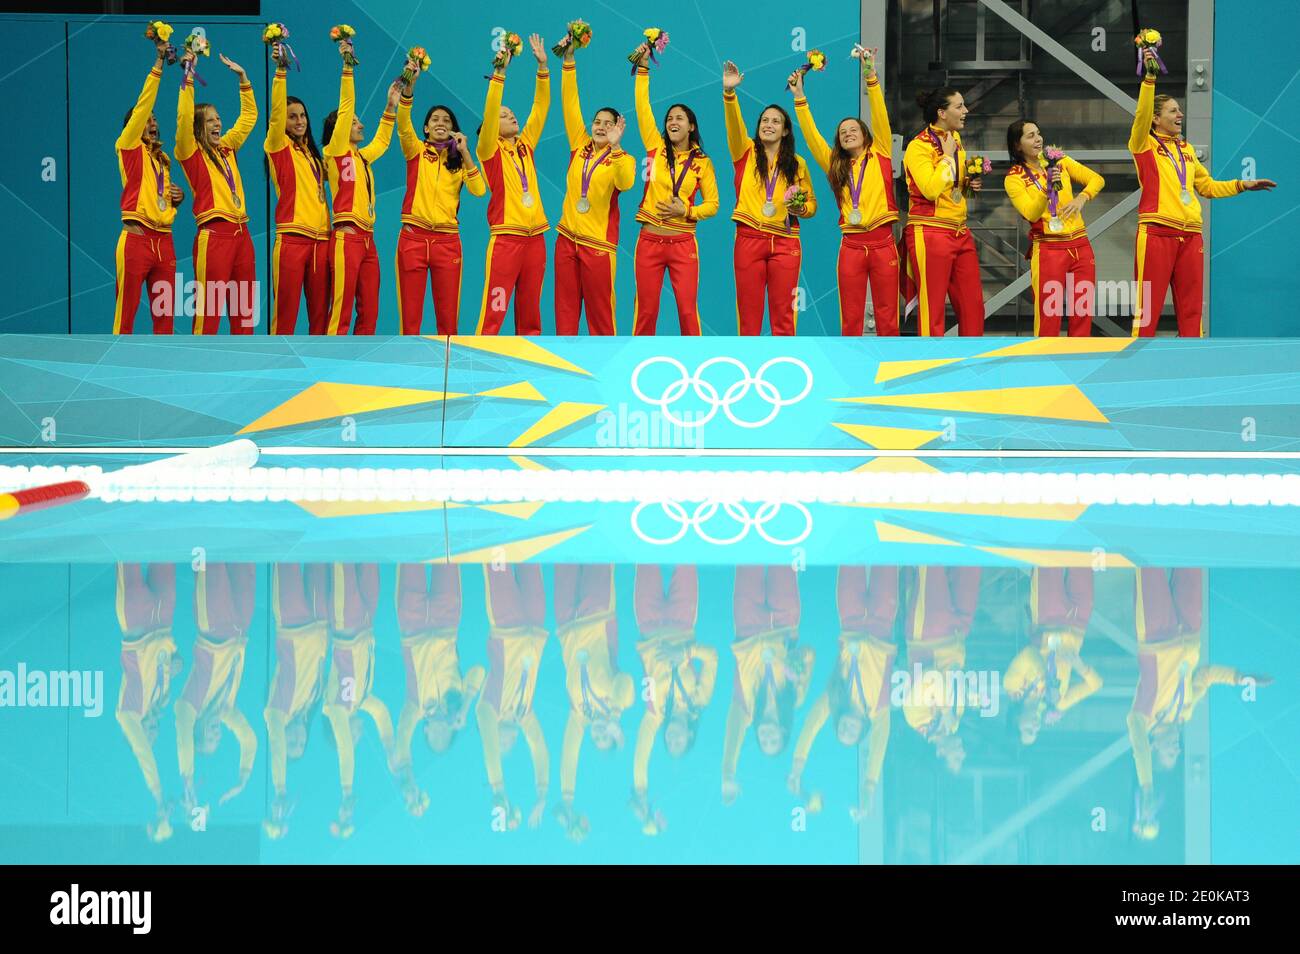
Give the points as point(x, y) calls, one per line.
point(679, 689)
point(145, 255)
point(940, 610)
point(767, 253)
point(1170, 250)
point(300, 601)
point(598, 692)
point(1061, 260)
point(300, 259)
point(437, 167)
point(225, 267)
point(146, 604)
point(941, 256)
point(349, 687)
point(1041, 675)
point(680, 190)
point(772, 670)
point(354, 261)
point(223, 609)
point(516, 252)
point(586, 249)
point(858, 694)
point(861, 173)
point(437, 696)
point(516, 611)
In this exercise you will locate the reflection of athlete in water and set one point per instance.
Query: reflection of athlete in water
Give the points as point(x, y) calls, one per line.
point(428, 615)
point(858, 693)
point(598, 692)
point(1171, 680)
point(223, 609)
point(940, 609)
point(772, 670)
point(146, 601)
point(349, 688)
point(1060, 605)
point(301, 603)
point(677, 690)
point(516, 608)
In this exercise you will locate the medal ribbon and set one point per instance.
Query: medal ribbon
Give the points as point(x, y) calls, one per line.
point(855, 188)
point(157, 174)
point(515, 160)
point(587, 176)
point(227, 174)
point(1180, 165)
point(1053, 197)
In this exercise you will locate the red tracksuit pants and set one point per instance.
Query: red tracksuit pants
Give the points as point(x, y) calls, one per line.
point(584, 278)
point(867, 598)
point(146, 596)
point(868, 258)
point(766, 265)
point(1165, 257)
point(424, 252)
point(944, 264)
point(765, 598)
point(427, 601)
point(226, 271)
point(1065, 282)
point(679, 256)
point(300, 265)
point(147, 260)
point(1169, 603)
point(515, 596)
point(676, 609)
point(355, 280)
point(516, 266)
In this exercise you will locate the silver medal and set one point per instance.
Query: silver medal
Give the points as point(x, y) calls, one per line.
point(527, 200)
point(584, 205)
point(855, 217)
point(769, 209)
point(1186, 197)
point(235, 196)
point(1055, 225)
point(371, 211)
point(162, 204)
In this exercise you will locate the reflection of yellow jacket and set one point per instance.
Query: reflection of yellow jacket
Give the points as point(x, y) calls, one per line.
point(514, 656)
point(675, 684)
point(595, 685)
point(352, 670)
point(432, 671)
point(937, 658)
point(1024, 678)
point(300, 653)
point(146, 683)
point(762, 658)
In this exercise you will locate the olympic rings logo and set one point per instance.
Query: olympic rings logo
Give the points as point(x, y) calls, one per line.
point(709, 394)
point(704, 512)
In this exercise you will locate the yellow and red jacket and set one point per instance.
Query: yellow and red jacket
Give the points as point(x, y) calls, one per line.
point(146, 173)
point(432, 199)
point(1026, 186)
point(217, 187)
point(432, 663)
point(1157, 161)
point(614, 173)
point(697, 178)
point(876, 201)
point(503, 161)
point(934, 197)
point(301, 637)
point(352, 181)
point(298, 176)
point(751, 191)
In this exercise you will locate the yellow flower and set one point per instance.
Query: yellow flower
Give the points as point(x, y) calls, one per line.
point(817, 59)
point(1148, 37)
point(164, 31)
point(652, 34)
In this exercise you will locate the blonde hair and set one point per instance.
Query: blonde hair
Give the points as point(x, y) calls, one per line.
point(200, 133)
point(1158, 106)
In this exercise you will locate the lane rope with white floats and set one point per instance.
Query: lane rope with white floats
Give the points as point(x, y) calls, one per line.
point(227, 473)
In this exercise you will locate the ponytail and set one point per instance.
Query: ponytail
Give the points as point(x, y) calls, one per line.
point(933, 100)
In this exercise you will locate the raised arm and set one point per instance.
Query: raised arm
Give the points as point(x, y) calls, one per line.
point(645, 742)
point(532, 728)
point(645, 117)
point(185, 144)
point(574, 730)
point(816, 718)
point(133, 131)
point(532, 131)
point(817, 145)
point(877, 743)
point(341, 140)
point(882, 135)
point(276, 139)
point(236, 134)
point(574, 127)
point(486, 147)
point(1211, 188)
point(411, 143)
point(489, 732)
point(738, 720)
point(737, 141)
point(384, 132)
point(1139, 137)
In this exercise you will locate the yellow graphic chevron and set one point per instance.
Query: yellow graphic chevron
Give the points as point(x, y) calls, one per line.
point(892, 533)
point(1062, 402)
point(518, 551)
point(889, 438)
point(889, 370)
point(556, 419)
point(521, 349)
point(328, 399)
point(521, 391)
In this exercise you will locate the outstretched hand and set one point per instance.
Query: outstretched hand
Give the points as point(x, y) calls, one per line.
point(231, 65)
point(731, 75)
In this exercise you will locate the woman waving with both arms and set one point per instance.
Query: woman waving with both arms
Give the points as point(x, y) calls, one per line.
point(861, 177)
point(767, 252)
point(680, 190)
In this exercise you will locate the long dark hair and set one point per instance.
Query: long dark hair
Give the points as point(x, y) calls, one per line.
point(455, 161)
point(838, 694)
point(1014, 134)
point(313, 150)
point(159, 153)
point(327, 131)
point(841, 162)
point(933, 100)
point(694, 142)
point(786, 164)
